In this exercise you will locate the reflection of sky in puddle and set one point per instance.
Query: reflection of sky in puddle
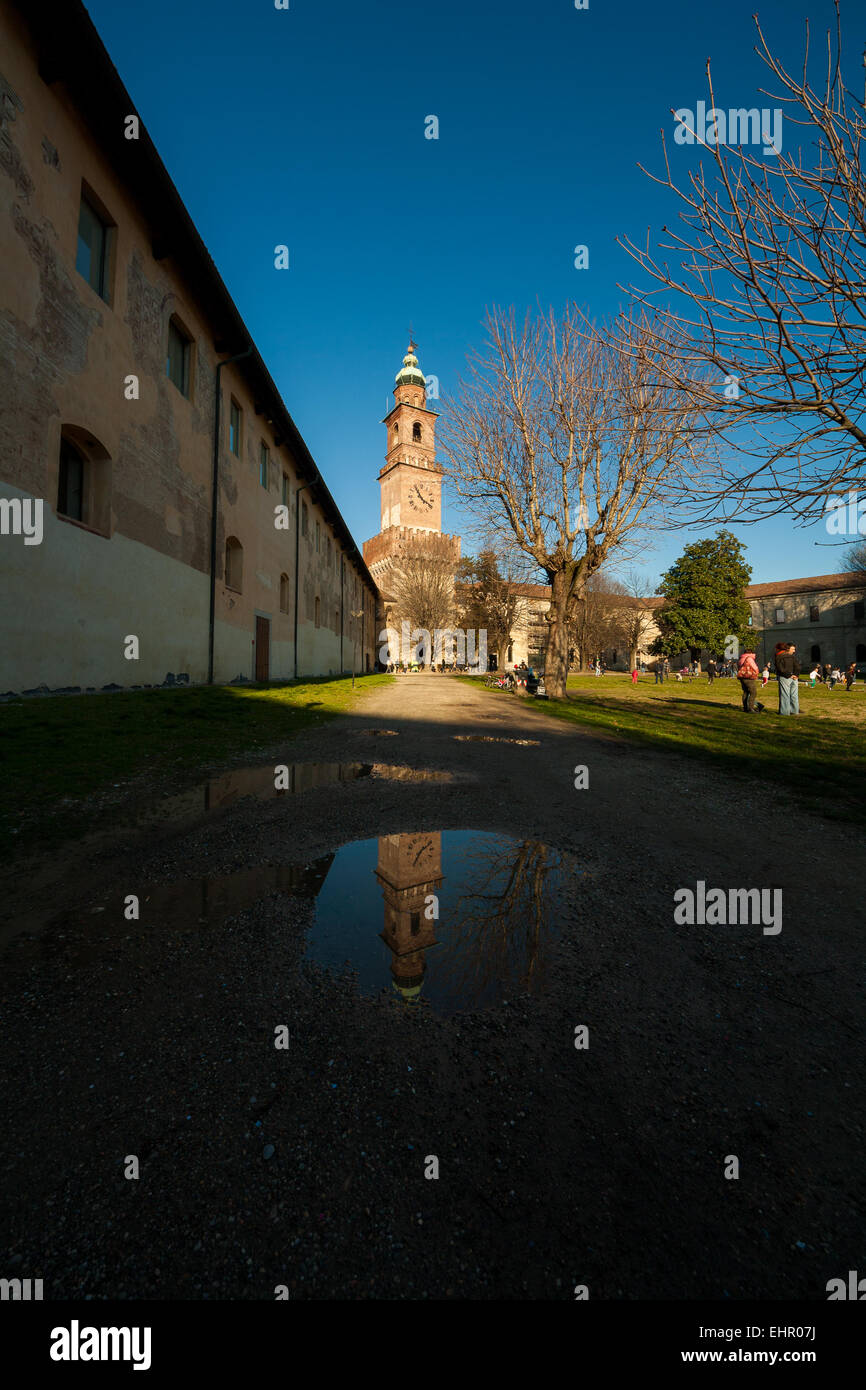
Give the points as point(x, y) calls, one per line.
point(500, 907)
point(499, 902)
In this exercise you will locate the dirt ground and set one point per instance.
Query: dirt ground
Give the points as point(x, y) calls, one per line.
point(557, 1166)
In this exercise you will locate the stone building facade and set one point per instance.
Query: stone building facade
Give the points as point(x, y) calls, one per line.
point(199, 525)
point(823, 615)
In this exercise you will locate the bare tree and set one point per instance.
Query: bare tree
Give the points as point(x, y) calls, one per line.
point(421, 588)
point(635, 616)
point(772, 266)
point(594, 625)
point(505, 920)
point(855, 560)
point(566, 444)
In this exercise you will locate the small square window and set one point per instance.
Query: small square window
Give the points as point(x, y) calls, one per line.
point(813, 613)
point(178, 359)
point(264, 462)
point(91, 258)
point(235, 428)
point(780, 615)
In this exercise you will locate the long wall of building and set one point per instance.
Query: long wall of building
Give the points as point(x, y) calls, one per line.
point(112, 322)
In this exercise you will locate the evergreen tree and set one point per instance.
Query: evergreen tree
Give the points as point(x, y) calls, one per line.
point(704, 593)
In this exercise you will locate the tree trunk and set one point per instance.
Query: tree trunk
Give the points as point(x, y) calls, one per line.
point(556, 654)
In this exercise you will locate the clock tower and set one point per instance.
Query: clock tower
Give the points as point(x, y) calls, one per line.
point(410, 481)
point(409, 870)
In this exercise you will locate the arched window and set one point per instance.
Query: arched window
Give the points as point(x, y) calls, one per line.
point(860, 654)
point(416, 433)
point(84, 480)
point(234, 564)
point(396, 433)
point(284, 593)
point(318, 610)
point(816, 652)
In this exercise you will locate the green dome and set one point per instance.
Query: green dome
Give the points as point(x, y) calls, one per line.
point(410, 373)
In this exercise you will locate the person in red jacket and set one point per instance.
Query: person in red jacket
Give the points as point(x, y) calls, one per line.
point(748, 674)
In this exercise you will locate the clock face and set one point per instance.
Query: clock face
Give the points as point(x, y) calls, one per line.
point(420, 849)
point(420, 498)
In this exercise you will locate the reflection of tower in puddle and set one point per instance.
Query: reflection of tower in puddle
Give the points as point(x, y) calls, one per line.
point(409, 868)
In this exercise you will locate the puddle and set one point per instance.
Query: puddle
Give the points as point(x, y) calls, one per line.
point(493, 738)
point(500, 905)
point(262, 782)
point(265, 784)
point(380, 733)
point(216, 794)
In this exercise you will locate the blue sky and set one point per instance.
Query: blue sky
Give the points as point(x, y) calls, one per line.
point(306, 127)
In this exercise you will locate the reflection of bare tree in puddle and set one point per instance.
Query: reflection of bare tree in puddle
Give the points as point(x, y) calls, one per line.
point(495, 930)
point(498, 928)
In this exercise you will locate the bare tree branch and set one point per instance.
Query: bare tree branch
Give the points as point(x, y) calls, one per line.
point(771, 264)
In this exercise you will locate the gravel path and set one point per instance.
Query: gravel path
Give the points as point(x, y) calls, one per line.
point(557, 1166)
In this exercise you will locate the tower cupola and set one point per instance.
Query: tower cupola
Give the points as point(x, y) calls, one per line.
point(410, 373)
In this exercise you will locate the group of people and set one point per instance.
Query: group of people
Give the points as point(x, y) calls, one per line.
point(689, 672)
point(787, 674)
point(785, 667)
point(720, 669)
point(405, 668)
point(832, 675)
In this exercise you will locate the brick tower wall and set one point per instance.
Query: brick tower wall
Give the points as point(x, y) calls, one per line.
point(407, 540)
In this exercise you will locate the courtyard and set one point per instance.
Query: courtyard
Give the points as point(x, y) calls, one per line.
point(581, 1119)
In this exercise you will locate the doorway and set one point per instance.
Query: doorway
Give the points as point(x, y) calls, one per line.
point(263, 649)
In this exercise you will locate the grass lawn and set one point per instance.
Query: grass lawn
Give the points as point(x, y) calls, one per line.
point(71, 746)
point(820, 756)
